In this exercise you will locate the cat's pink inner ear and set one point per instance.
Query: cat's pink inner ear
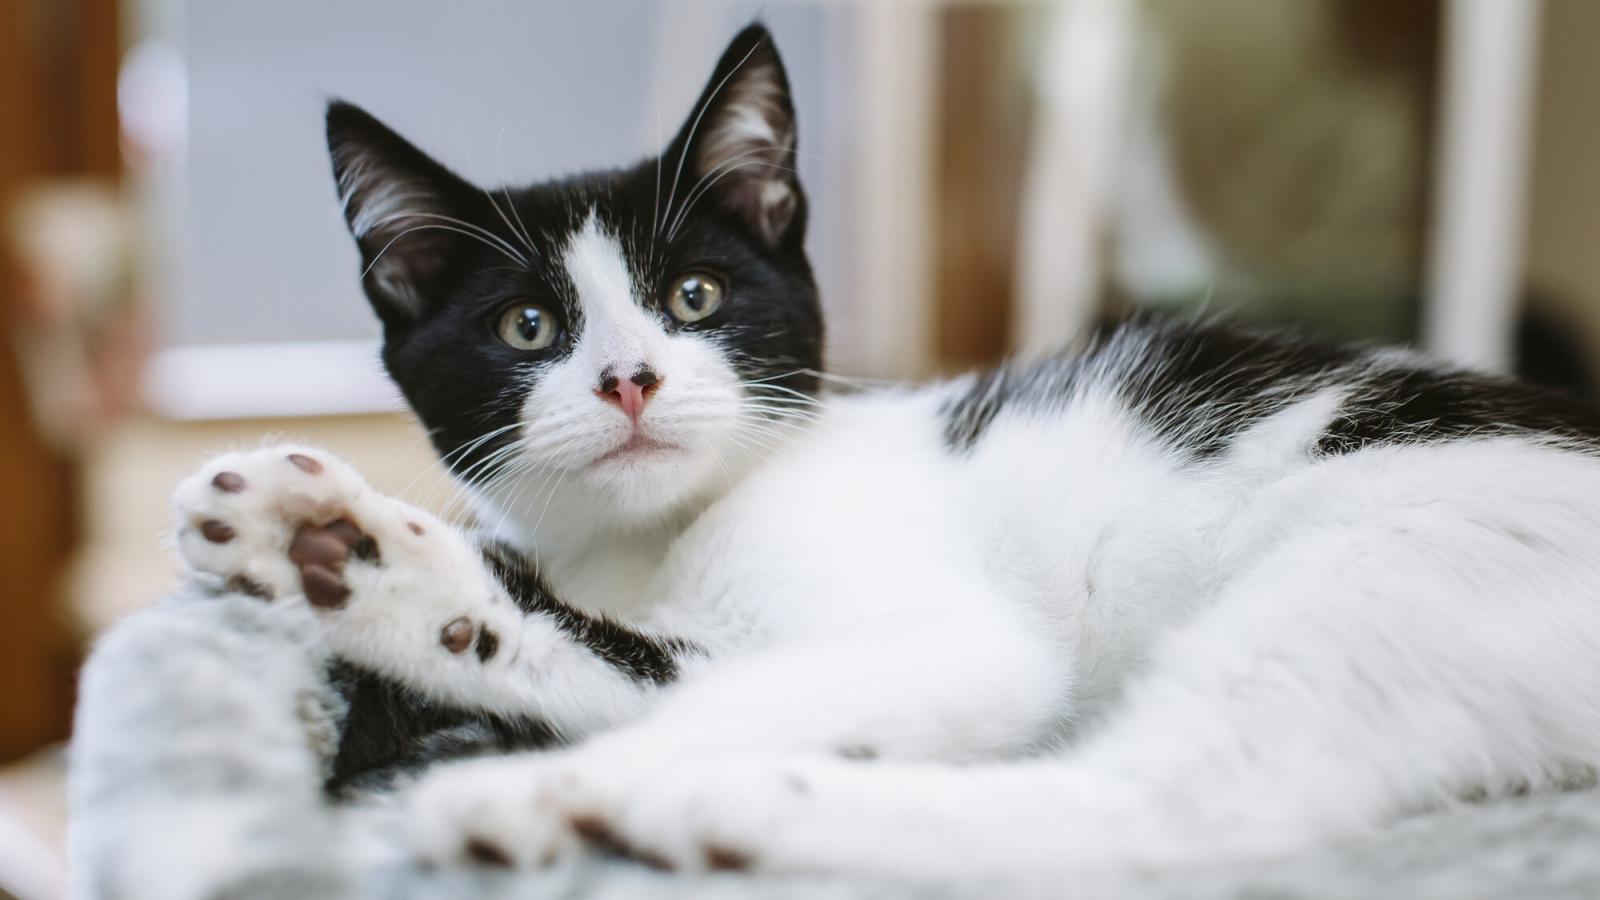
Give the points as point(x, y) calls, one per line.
point(402, 207)
point(745, 153)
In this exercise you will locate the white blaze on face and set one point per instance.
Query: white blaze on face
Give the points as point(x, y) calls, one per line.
point(616, 332)
point(694, 413)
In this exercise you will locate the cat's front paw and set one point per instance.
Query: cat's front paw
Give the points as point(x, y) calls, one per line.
point(725, 814)
point(529, 811)
point(496, 812)
point(401, 591)
point(275, 522)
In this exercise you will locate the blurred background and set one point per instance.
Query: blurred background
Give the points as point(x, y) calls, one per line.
point(987, 178)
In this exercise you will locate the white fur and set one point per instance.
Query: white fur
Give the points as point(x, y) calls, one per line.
point(1235, 657)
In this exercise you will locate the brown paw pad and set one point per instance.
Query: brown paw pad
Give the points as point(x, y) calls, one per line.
point(320, 553)
point(324, 587)
point(487, 853)
point(229, 482)
point(317, 546)
point(217, 532)
point(599, 836)
point(359, 543)
point(457, 634)
point(244, 584)
point(306, 464)
point(726, 859)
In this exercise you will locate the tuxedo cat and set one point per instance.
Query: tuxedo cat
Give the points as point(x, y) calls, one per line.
point(1187, 593)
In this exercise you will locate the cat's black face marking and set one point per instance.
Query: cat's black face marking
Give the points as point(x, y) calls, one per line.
point(594, 258)
point(1200, 386)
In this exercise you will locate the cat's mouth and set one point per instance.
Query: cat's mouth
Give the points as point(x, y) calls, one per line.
point(638, 446)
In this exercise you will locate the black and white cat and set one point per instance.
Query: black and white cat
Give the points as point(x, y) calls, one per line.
point(1190, 593)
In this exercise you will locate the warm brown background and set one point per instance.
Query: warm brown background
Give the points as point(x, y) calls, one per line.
point(58, 64)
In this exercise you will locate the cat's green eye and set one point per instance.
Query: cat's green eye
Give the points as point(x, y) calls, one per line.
point(528, 326)
point(694, 296)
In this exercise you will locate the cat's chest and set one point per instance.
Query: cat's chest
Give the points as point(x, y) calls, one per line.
point(614, 579)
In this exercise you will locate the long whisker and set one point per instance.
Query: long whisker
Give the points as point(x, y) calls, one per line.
point(655, 204)
point(797, 412)
point(555, 488)
point(778, 377)
point(521, 229)
point(481, 472)
point(509, 253)
point(702, 180)
point(785, 394)
point(466, 475)
point(760, 439)
point(487, 195)
point(694, 126)
point(480, 231)
point(717, 173)
point(473, 444)
point(444, 460)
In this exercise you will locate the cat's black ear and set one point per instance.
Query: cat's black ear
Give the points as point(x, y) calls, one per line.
point(739, 142)
point(399, 205)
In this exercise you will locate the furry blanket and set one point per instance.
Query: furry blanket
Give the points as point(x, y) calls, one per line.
point(206, 730)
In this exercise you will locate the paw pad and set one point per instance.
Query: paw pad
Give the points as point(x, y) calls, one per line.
point(217, 532)
point(457, 635)
point(244, 584)
point(721, 858)
point(306, 464)
point(324, 587)
point(320, 552)
point(229, 482)
point(599, 836)
point(486, 853)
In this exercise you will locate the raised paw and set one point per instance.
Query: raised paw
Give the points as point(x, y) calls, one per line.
point(400, 589)
point(278, 521)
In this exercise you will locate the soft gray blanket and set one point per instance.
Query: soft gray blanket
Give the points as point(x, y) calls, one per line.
point(205, 727)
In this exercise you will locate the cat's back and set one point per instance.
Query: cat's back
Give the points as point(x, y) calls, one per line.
point(1200, 387)
point(1172, 444)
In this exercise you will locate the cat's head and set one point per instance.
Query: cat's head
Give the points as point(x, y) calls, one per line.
point(620, 337)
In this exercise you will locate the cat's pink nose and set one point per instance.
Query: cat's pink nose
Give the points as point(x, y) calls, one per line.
point(629, 394)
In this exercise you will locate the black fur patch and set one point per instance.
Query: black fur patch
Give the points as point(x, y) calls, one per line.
point(391, 730)
point(1200, 385)
point(488, 645)
point(1423, 405)
point(641, 656)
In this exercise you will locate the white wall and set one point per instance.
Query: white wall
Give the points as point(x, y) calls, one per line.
point(500, 90)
